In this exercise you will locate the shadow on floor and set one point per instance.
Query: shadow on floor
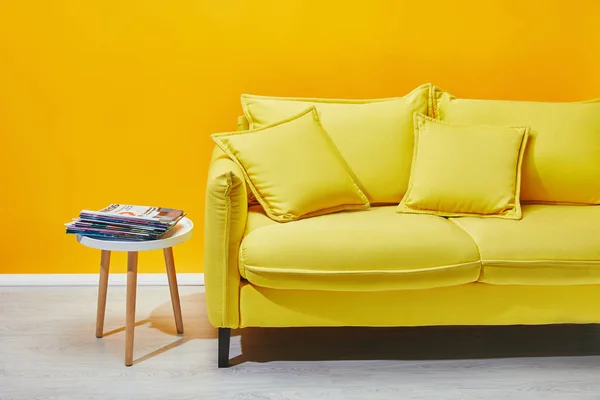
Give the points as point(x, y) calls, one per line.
point(195, 320)
point(350, 343)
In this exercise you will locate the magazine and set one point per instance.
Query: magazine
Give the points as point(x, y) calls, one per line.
point(138, 213)
point(125, 222)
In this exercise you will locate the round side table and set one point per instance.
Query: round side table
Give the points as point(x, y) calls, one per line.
point(179, 234)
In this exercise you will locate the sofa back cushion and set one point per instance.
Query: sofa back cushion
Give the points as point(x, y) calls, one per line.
point(562, 158)
point(375, 137)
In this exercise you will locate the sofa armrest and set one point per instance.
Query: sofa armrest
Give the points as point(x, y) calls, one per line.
point(225, 220)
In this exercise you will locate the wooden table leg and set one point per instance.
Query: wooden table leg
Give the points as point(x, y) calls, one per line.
point(102, 288)
point(170, 263)
point(132, 259)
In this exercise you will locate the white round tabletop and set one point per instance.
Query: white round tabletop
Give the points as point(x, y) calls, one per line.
point(179, 234)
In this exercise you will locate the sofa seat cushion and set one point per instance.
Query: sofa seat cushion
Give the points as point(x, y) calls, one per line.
point(551, 245)
point(374, 249)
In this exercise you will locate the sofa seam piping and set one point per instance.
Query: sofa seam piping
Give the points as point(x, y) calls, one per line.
point(250, 268)
point(226, 248)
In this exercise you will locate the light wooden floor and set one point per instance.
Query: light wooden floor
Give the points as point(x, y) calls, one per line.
point(48, 351)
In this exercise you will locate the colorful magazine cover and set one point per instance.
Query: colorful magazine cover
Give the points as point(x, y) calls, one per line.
point(141, 213)
point(125, 222)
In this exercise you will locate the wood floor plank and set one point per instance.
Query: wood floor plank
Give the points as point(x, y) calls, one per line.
point(48, 350)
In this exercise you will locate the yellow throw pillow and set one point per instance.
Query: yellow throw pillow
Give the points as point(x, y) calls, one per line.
point(375, 137)
point(562, 160)
point(293, 168)
point(465, 170)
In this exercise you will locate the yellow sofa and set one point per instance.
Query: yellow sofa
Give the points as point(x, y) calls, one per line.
point(381, 268)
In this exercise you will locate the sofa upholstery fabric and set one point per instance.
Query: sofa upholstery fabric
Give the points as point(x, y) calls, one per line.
point(550, 245)
point(562, 159)
point(465, 170)
point(293, 168)
point(224, 222)
point(376, 267)
point(374, 136)
point(470, 304)
point(370, 250)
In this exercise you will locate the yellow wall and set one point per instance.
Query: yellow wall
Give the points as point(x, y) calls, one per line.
point(95, 94)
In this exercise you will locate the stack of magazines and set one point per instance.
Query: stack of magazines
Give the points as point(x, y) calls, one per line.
point(125, 222)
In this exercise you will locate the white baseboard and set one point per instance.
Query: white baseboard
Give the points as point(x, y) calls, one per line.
point(92, 279)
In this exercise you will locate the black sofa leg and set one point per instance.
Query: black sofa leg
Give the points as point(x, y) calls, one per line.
point(224, 335)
